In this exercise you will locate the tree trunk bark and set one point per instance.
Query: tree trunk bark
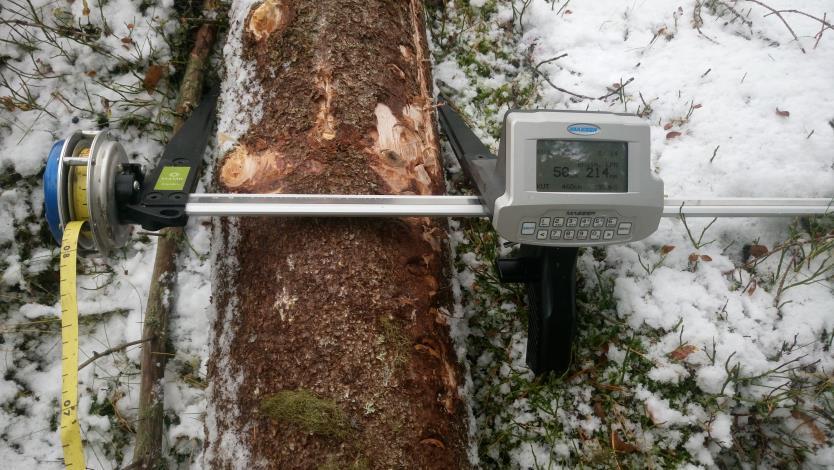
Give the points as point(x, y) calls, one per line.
point(331, 345)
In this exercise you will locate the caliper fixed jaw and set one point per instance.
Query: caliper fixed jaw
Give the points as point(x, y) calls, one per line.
point(159, 198)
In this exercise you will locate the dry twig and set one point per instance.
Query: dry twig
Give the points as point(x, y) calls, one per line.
point(107, 352)
point(779, 14)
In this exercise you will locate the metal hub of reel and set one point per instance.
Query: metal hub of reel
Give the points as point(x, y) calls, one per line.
point(79, 184)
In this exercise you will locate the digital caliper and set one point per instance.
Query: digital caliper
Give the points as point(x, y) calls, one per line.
point(561, 180)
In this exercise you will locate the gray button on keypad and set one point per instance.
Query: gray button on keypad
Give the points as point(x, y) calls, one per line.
point(624, 228)
point(528, 228)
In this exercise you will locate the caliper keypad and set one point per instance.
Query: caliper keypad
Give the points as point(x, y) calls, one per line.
point(596, 228)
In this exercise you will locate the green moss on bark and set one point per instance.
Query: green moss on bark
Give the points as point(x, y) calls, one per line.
point(308, 412)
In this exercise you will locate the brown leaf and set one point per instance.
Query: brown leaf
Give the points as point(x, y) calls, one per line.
point(127, 40)
point(693, 258)
point(753, 286)
point(666, 249)
point(782, 112)
point(620, 445)
point(599, 411)
point(757, 251)
point(130, 26)
point(808, 421)
point(152, 77)
point(682, 352)
point(706, 258)
point(86, 9)
point(673, 134)
point(667, 126)
point(697, 106)
point(91, 73)
point(567, 12)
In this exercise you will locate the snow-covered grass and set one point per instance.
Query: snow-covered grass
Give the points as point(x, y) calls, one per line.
point(708, 343)
point(86, 65)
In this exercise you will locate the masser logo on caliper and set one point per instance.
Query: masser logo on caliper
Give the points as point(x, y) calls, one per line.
point(172, 178)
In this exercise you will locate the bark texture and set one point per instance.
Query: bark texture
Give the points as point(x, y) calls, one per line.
point(331, 332)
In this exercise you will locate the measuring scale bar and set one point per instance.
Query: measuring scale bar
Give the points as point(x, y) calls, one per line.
point(748, 207)
point(335, 205)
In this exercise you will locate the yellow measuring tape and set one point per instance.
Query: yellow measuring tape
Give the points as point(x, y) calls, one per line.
point(70, 428)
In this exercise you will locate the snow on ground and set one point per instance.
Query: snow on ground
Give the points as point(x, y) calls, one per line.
point(737, 109)
point(65, 67)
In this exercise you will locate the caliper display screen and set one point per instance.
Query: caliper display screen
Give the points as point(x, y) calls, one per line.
point(581, 166)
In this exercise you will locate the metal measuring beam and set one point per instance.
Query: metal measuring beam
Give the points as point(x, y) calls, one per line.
point(336, 205)
point(748, 207)
point(313, 205)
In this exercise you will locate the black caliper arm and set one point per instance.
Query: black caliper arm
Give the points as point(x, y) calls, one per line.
point(158, 199)
point(548, 272)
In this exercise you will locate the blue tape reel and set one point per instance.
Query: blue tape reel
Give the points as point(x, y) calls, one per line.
point(50, 191)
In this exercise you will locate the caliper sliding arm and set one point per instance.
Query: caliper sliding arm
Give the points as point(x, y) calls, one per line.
point(549, 273)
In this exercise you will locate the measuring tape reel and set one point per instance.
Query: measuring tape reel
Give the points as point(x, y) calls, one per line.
point(81, 179)
point(88, 178)
point(80, 185)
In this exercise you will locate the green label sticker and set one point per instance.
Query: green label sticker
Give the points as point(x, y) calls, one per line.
point(172, 178)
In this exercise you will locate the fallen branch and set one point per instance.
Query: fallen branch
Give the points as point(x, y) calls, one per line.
point(154, 354)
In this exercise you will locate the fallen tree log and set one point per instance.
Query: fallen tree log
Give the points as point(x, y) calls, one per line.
point(331, 346)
